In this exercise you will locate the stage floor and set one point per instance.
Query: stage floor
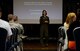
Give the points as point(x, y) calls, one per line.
point(36, 46)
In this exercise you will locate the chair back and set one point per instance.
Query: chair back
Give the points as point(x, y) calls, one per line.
point(61, 31)
point(76, 33)
point(3, 36)
point(61, 37)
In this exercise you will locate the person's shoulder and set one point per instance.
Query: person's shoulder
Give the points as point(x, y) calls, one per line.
point(4, 21)
point(64, 23)
point(18, 24)
point(47, 16)
point(41, 16)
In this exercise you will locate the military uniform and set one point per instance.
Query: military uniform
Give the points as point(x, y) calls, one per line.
point(44, 21)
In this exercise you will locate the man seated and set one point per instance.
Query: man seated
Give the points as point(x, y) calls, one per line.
point(5, 25)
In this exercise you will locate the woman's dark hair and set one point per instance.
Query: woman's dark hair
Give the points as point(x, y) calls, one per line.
point(43, 12)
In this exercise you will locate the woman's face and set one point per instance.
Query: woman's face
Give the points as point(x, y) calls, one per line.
point(44, 13)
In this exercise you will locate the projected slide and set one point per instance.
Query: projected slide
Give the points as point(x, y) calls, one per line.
point(29, 11)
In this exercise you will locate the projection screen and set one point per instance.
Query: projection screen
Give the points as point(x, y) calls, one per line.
point(29, 11)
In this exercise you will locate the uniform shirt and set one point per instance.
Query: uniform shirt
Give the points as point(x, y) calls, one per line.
point(12, 24)
point(16, 25)
point(19, 27)
point(6, 26)
point(21, 31)
point(44, 19)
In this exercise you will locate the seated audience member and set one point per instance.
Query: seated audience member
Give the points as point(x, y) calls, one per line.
point(19, 25)
point(71, 17)
point(11, 21)
point(71, 28)
point(21, 31)
point(5, 25)
point(13, 25)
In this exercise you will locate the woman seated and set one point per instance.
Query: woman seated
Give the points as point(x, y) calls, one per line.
point(71, 18)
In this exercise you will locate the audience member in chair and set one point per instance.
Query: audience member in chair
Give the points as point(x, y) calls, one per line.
point(5, 25)
point(11, 21)
point(71, 18)
point(71, 28)
point(13, 25)
point(19, 25)
point(21, 32)
point(44, 21)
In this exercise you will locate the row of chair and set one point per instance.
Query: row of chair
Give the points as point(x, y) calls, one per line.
point(63, 35)
point(3, 36)
point(16, 39)
point(14, 43)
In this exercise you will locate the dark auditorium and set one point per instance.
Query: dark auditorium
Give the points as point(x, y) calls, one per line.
point(39, 25)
